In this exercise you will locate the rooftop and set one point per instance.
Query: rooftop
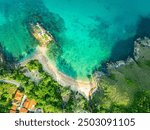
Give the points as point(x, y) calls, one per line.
point(18, 96)
point(23, 110)
point(29, 104)
point(14, 107)
point(12, 111)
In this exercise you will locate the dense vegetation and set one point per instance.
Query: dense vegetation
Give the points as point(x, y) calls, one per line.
point(112, 99)
point(125, 89)
point(49, 95)
point(6, 94)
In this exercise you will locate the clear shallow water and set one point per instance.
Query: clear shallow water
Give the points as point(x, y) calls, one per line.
point(14, 35)
point(92, 29)
point(87, 31)
point(2, 19)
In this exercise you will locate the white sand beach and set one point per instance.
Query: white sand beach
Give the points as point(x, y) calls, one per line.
point(84, 87)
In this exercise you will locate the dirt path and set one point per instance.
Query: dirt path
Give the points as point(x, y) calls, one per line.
point(10, 82)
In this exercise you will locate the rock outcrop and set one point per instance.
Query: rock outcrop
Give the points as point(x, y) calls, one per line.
point(40, 34)
point(138, 44)
point(2, 59)
point(116, 64)
point(136, 54)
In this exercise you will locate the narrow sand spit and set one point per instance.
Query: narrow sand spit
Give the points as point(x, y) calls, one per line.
point(84, 87)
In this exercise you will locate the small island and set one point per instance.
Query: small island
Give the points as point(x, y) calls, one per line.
point(40, 34)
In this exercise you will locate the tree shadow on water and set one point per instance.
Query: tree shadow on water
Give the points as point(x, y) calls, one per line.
point(143, 27)
point(9, 60)
point(124, 48)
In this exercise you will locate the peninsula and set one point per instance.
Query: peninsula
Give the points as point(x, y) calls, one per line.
point(40, 34)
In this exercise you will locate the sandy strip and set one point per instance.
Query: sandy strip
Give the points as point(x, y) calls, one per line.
point(84, 87)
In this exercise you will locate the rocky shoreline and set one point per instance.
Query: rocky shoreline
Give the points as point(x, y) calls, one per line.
point(140, 42)
point(145, 42)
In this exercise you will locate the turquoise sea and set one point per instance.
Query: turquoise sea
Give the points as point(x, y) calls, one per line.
point(89, 32)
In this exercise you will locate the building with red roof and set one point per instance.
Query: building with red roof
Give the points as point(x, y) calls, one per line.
point(23, 110)
point(29, 104)
point(18, 97)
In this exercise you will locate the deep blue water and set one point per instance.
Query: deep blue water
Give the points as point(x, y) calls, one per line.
point(89, 32)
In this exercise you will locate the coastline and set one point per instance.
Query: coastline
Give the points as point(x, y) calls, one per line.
point(140, 42)
point(84, 87)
